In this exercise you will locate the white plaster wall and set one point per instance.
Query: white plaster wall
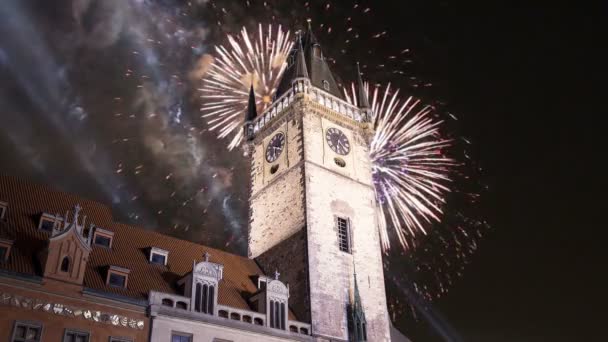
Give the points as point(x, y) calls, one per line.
point(163, 327)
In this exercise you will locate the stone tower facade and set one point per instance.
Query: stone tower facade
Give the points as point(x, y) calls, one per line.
point(312, 204)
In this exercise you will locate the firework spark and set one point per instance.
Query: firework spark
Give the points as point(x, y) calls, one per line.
point(259, 60)
point(410, 168)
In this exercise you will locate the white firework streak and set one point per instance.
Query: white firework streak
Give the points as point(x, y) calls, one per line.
point(259, 60)
point(411, 173)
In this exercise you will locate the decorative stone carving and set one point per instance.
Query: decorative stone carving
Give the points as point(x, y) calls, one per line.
point(68, 311)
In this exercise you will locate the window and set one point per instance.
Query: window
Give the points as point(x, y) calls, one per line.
point(325, 85)
point(204, 298)
point(26, 332)
point(65, 264)
point(3, 208)
point(117, 280)
point(117, 276)
point(343, 234)
point(101, 240)
point(3, 253)
point(181, 337)
point(167, 302)
point(120, 339)
point(158, 256)
point(46, 225)
point(181, 305)
point(158, 259)
point(75, 336)
point(277, 315)
point(103, 237)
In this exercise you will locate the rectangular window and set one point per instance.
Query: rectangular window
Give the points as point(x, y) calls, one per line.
point(101, 240)
point(47, 225)
point(117, 280)
point(3, 253)
point(158, 259)
point(75, 336)
point(181, 337)
point(3, 208)
point(343, 234)
point(120, 339)
point(26, 332)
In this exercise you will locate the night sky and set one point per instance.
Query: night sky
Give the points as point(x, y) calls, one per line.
point(98, 98)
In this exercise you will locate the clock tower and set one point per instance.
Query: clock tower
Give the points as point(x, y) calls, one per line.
point(312, 213)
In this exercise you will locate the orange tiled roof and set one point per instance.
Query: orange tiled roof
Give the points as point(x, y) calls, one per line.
point(26, 201)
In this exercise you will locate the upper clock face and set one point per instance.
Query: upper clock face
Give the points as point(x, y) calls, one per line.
point(275, 147)
point(337, 141)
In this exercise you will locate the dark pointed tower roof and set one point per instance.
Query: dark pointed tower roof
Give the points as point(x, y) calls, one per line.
point(252, 111)
point(315, 66)
point(363, 100)
point(300, 65)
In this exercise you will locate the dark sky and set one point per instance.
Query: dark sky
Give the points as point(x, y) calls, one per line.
point(79, 80)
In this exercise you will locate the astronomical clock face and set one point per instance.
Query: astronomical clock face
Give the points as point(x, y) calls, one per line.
point(337, 141)
point(275, 147)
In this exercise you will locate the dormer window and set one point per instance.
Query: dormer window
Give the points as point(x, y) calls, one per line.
point(3, 209)
point(117, 277)
point(103, 237)
point(158, 256)
point(5, 249)
point(48, 222)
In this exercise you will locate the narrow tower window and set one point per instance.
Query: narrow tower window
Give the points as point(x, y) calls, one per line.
point(343, 234)
point(65, 264)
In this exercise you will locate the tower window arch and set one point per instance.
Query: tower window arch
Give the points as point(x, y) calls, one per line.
point(204, 298)
point(65, 264)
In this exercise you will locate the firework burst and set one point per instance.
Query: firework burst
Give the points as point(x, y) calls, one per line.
point(259, 60)
point(410, 168)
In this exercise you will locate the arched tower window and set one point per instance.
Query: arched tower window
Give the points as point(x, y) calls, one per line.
point(65, 264)
point(197, 297)
point(204, 298)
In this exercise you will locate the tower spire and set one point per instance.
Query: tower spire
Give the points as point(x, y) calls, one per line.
point(252, 111)
point(251, 114)
point(363, 101)
point(301, 69)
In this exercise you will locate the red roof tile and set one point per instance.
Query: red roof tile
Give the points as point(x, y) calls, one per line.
point(26, 201)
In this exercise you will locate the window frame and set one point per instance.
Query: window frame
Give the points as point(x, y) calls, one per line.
point(47, 218)
point(119, 271)
point(3, 209)
point(182, 334)
point(104, 234)
point(27, 324)
point(8, 246)
point(119, 339)
point(347, 234)
point(66, 331)
point(326, 85)
point(158, 251)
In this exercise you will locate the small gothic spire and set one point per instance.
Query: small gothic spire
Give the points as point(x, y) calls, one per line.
point(301, 70)
point(252, 112)
point(363, 101)
point(206, 256)
point(276, 274)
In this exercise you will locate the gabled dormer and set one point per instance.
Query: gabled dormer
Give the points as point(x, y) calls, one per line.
point(201, 285)
point(272, 299)
point(68, 250)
